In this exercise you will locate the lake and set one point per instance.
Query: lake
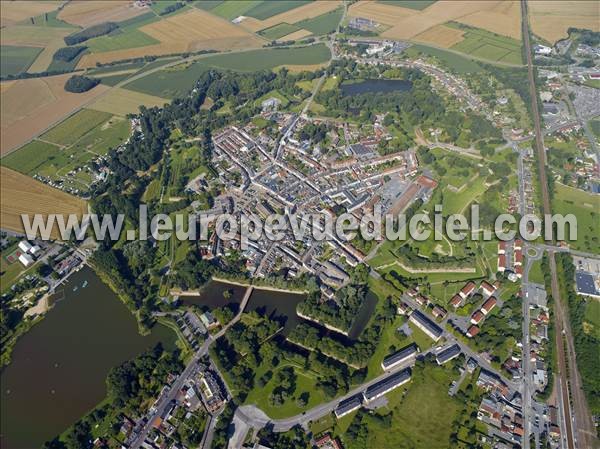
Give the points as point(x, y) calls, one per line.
point(59, 367)
point(375, 86)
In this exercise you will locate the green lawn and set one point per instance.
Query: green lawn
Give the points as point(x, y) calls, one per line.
point(177, 80)
point(277, 31)
point(230, 9)
point(412, 4)
point(535, 272)
point(487, 45)
point(457, 63)
point(73, 128)
point(267, 9)
point(15, 60)
point(592, 318)
point(323, 24)
point(586, 208)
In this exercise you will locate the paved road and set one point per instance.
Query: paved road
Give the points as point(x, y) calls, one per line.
point(566, 368)
point(187, 372)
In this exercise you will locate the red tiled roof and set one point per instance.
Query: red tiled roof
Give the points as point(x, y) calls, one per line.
point(473, 330)
point(489, 304)
point(477, 317)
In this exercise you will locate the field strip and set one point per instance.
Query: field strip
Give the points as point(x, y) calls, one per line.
point(307, 11)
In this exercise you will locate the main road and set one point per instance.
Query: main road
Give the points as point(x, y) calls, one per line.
point(568, 374)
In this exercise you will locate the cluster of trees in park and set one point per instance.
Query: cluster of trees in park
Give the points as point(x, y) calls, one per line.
point(79, 83)
point(295, 437)
point(67, 54)
point(91, 32)
point(314, 132)
point(587, 344)
point(131, 384)
point(339, 312)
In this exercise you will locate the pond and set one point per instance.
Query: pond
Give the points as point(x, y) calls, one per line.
point(59, 368)
point(375, 86)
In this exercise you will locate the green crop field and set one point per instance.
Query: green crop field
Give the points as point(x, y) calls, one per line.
point(277, 31)
point(73, 128)
point(412, 4)
point(113, 80)
point(15, 60)
point(29, 158)
point(323, 24)
point(231, 9)
point(459, 64)
point(126, 36)
point(48, 20)
point(484, 44)
point(177, 80)
point(586, 207)
point(267, 9)
point(207, 5)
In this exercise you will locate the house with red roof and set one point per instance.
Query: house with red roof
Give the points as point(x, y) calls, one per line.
point(489, 305)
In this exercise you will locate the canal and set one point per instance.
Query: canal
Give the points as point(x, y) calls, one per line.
point(59, 367)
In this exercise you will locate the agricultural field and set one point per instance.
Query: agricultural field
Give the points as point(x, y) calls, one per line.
point(31, 106)
point(323, 24)
point(278, 31)
point(62, 154)
point(85, 13)
point(381, 12)
point(264, 10)
point(188, 31)
point(550, 20)
point(73, 128)
point(15, 60)
point(234, 8)
point(121, 102)
point(293, 16)
point(18, 11)
point(24, 195)
point(586, 207)
point(441, 36)
point(503, 19)
point(412, 4)
point(127, 36)
point(296, 35)
point(483, 44)
point(177, 80)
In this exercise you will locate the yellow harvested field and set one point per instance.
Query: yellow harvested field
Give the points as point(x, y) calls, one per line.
point(44, 59)
point(437, 14)
point(186, 32)
point(295, 36)
point(380, 12)
point(85, 13)
point(551, 19)
point(503, 19)
point(297, 68)
point(307, 11)
point(5, 85)
point(24, 195)
point(30, 106)
point(123, 101)
point(12, 12)
point(440, 36)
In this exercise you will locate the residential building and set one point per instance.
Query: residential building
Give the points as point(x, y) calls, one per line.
point(426, 325)
point(378, 389)
point(489, 305)
point(448, 354)
point(468, 289)
point(408, 353)
point(348, 406)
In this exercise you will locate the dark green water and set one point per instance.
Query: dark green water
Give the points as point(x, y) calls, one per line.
point(59, 367)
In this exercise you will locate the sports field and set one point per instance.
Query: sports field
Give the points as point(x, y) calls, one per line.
point(178, 80)
point(14, 60)
point(31, 106)
point(486, 45)
point(24, 195)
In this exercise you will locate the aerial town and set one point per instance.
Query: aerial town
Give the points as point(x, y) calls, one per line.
point(263, 343)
